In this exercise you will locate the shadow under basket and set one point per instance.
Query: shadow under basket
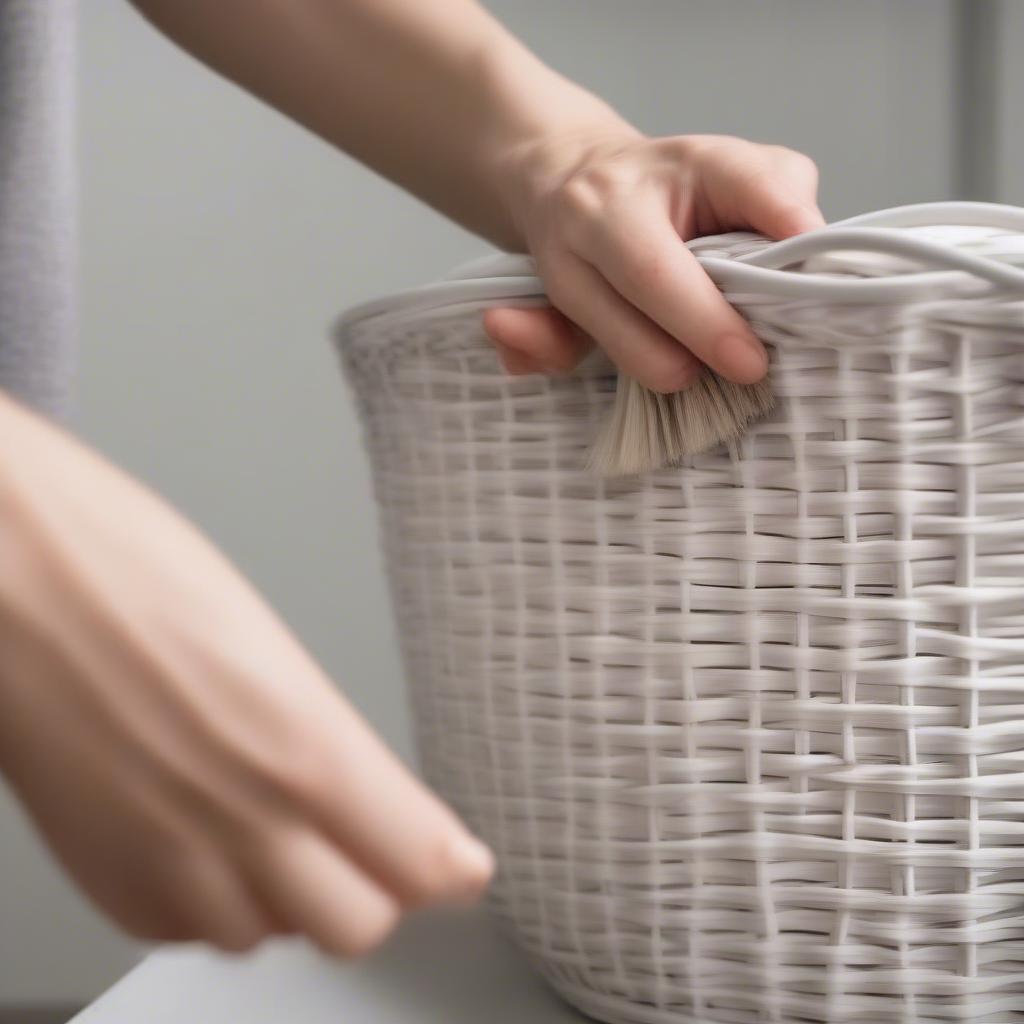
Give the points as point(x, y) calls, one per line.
point(746, 734)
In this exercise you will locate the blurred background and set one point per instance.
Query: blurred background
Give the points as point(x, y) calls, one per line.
point(219, 241)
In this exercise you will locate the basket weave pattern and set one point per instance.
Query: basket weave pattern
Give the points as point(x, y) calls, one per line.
point(747, 735)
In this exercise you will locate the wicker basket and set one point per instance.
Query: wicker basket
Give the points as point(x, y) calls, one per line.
point(747, 735)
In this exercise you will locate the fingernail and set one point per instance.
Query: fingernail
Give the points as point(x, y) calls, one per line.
point(746, 358)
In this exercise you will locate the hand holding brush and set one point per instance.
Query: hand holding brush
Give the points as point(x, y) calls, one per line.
point(606, 219)
point(535, 163)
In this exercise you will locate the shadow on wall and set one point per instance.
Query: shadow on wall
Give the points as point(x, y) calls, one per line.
point(38, 1014)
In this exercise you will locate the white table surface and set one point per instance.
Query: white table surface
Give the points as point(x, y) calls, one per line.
point(440, 968)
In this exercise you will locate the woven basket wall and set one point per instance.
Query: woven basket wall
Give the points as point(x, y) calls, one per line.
point(747, 734)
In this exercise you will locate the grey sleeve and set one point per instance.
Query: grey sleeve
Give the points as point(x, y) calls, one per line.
point(37, 201)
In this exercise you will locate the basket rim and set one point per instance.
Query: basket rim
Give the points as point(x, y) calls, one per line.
point(504, 277)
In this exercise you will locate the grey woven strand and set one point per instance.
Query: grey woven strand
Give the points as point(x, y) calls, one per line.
point(746, 734)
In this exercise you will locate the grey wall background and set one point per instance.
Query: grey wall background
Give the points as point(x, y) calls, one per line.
point(1006, 31)
point(219, 241)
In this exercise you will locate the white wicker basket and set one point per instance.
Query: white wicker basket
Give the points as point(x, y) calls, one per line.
point(747, 735)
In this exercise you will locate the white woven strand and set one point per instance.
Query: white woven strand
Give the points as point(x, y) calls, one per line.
point(748, 734)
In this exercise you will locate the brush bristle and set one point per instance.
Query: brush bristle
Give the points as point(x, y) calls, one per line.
point(647, 431)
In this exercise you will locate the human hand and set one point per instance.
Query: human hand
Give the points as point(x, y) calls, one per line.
point(185, 759)
point(606, 220)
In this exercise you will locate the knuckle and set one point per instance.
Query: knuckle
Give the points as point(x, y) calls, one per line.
point(797, 156)
point(301, 779)
point(297, 770)
point(285, 767)
point(713, 148)
point(681, 145)
point(806, 163)
point(796, 161)
point(646, 269)
point(584, 194)
point(589, 193)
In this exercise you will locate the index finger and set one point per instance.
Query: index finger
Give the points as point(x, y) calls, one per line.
point(386, 820)
point(648, 264)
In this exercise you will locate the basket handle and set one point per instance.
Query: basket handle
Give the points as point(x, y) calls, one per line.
point(962, 273)
point(513, 279)
point(957, 212)
point(959, 272)
point(886, 241)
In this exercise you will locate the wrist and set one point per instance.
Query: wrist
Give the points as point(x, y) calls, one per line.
point(547, 126)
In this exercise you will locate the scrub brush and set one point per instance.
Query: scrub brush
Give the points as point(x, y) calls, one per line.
point(646, 431)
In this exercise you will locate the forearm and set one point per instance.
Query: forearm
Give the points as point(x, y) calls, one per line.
point(436, 96)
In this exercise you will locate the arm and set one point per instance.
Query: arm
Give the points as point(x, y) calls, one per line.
point(433, 94)
point(438, 97)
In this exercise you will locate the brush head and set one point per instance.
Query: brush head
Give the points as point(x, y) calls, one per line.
point(647, 431)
